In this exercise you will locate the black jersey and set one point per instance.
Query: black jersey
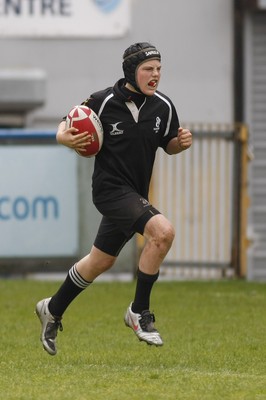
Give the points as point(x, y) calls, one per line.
point(132, 134)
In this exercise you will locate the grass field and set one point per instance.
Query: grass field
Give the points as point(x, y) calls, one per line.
point(214, 334)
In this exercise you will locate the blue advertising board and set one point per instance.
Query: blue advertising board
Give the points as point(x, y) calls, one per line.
point(38, 198)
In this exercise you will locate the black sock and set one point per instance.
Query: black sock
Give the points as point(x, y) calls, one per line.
point(143, 291)
point(73, 285)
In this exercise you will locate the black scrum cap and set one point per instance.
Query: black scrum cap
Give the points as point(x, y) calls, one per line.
point(135, 55)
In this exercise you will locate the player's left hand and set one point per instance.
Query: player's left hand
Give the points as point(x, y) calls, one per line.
point(184, 139)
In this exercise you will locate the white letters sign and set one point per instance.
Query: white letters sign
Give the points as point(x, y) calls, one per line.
point(64, 18)
point(38, 201)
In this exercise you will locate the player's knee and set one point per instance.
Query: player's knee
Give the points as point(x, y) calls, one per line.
point(169, 235)
point(164, 238)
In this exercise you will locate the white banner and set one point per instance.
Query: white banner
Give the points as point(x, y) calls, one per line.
point(64, 18)
point(38, 201)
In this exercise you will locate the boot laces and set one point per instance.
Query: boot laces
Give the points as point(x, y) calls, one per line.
point(147, 321)
point(52, 328)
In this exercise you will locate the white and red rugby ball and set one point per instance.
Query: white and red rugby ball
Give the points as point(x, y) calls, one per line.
point(84, 119)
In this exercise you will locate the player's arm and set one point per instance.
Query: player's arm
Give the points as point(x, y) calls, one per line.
point(181, 142)
point(68, 138)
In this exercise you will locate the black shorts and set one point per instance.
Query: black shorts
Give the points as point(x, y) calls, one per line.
point(122, 218)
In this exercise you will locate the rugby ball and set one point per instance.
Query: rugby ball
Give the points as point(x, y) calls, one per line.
point(84, 119)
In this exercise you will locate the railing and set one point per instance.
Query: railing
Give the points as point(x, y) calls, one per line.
point(200, 191)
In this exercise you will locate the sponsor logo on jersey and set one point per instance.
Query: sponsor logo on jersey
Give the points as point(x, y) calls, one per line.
point(157, 125)
point(116, 130)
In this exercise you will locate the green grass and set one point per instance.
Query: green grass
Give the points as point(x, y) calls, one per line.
point(214, 334)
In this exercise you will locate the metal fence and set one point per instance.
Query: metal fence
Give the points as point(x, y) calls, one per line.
point(197, 191)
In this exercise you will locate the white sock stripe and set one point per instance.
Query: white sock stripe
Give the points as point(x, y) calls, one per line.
point(77, 279)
